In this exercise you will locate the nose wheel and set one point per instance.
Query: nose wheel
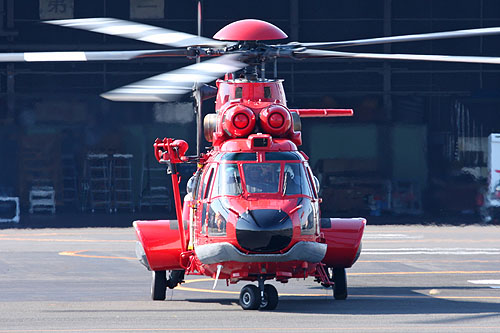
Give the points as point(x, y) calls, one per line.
point(250, 297)
point(264, 297)
point(270, 301)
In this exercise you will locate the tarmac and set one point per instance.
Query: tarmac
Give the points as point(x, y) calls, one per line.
point(76, 219)
point(410, 278)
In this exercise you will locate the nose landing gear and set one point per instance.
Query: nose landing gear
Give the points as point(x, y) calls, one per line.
point(264, 297)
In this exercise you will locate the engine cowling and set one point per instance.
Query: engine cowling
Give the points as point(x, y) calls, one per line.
point(275, 120)
point(238, 121)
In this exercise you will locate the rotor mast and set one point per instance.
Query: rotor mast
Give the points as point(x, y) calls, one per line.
point(197, 93)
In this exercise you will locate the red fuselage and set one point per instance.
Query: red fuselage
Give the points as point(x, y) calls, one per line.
point(252, 208)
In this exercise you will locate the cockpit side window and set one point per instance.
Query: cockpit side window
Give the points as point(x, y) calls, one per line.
point(209, 183)
point(314, 182)
point(295, 180)
point(228, 180)
point(205, 185)
point(194, 183)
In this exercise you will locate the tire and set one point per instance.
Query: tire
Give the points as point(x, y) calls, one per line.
point(159, 286)
point(250, 297)
point(340, 284)
point(174, 278)
point(271, 298)
point(485, 214)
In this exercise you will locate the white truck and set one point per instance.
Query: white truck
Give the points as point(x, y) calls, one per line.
point(489, 199)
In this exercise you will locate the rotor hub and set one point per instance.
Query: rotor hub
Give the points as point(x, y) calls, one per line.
point(250, 29)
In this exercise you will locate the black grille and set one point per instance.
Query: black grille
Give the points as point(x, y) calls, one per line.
point(264, 230)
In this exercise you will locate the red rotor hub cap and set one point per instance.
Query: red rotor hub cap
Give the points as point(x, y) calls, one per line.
point(250, 30)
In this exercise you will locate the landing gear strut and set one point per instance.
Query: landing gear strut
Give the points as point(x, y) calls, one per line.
point(264, 297)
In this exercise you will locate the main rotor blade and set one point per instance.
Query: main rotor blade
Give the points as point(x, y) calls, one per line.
point(406, 38)
point(138, 31)
point(382, 56)
point(172, 85)
point(86, 55)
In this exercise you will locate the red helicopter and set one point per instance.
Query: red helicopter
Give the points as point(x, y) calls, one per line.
point(252, 209)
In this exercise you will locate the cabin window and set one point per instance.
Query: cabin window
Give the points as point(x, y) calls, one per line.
point(262, 177)
point(228, 180)
point(295, 180)
point(217, 218)
point(238, 92)
point(267, 92)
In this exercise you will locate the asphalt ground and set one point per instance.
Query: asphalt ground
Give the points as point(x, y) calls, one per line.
point(408, 279)
point(122, 219)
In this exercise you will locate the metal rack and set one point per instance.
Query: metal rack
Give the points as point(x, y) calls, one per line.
point(121, 167)
point(69, 180)
point(4, 209)
point(154, 187)
point(42, 199)
point(98, 182)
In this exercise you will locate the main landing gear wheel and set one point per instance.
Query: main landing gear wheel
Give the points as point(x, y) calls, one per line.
point(159, 285)
point(271, 298)
point(340, 284)
point(250, 297)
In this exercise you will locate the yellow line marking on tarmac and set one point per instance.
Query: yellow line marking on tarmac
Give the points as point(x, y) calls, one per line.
point(424, 273)
point(429, 229)
point(409, 240)
point(226, 291)
point(327, 293)
point(79, 233)
point(79, 254)
point(59, 234)
point(68, 240)
point(400, 328)
point(429, 261)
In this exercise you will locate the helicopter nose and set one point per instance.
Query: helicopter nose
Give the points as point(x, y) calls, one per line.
point(264, 230)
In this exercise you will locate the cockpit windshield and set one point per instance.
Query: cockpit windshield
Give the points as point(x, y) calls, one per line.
point(228, 180)
point(262, 177)
point(295, 180)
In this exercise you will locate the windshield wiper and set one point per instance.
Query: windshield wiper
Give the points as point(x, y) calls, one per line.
point(238, 183)
point(284, 183)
